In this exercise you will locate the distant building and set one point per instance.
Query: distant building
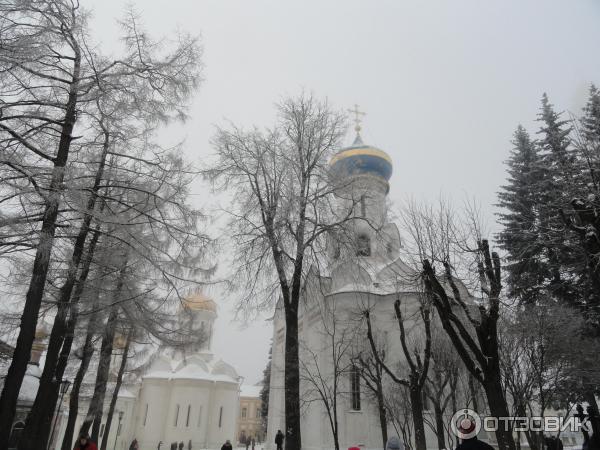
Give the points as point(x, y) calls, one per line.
point(30, 383)
point(250, 419)
point(183, 396)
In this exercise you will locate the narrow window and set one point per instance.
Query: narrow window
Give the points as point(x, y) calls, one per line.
point(355, 388)
point(200, 416)
point(176, 415)
point(363, 206)
point(187, 419)
point(220, 416)
point(244, 412)
point(363, 245)
point(146, 414)
point(258, 413)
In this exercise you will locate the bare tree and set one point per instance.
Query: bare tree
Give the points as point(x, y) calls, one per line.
point(52, 80)
point(325, 368)
point(418, 365)
point(442, 382)
point(373, 374)
point(281, 209)
point(397, 404)
point(439, 238)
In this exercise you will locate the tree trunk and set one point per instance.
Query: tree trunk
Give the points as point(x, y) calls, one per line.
point(439, 426)
point(115, 394)
point(416, 406)
point(93, 418)
point(35, 292)
point(292, 380)
point(497, 405)
point(88, 351)
point(382, 414)
point(473, 393)
point(590, 398)
point(39, 423)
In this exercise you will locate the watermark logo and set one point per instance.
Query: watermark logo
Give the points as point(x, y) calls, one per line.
point(467, 423)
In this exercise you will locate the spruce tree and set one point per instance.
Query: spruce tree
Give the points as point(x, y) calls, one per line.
point(519, 200)
point(589, 145)
point(559, 182)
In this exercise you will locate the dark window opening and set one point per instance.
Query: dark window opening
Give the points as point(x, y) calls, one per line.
point(363, 206)
point(355, 388)
point(363, 246)
point(220, 416)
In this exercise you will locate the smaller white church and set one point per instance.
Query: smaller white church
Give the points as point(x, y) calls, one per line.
point(189, 397)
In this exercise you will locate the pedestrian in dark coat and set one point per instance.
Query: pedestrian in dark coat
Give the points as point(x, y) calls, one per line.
point(279, 437)
point(227, 445)
point(469, 439)
point(85, 443)
point(254, 443)
point(133, 445)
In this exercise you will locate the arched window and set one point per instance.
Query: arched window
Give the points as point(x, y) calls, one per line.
point(15, 434)
point(355, 388)
point(363, 206)
point(363, 245)
point(200, 416)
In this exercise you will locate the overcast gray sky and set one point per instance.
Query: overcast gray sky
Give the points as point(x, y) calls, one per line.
point(444, 85)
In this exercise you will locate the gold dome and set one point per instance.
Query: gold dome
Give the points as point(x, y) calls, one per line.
point(199, 302)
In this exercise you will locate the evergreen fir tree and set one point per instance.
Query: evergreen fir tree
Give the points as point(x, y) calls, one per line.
point(560, 180)
point(590, 138)
point(519, 200)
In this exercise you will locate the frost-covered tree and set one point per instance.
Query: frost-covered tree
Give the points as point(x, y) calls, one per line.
point(281, 209)
point(417, 354)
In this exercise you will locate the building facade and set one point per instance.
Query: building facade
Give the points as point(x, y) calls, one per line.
point(250, 423)
point(363, 272)
point(183, 396)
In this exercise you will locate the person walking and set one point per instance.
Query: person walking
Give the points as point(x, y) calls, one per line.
point(227, 445)
point(394, 443)
point(254, 443)
point(279, 440)
point(247, 442)
point(469, 438)
point(85, 443)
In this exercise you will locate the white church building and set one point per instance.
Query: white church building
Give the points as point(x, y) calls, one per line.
point(365, 274)
point(189, 397)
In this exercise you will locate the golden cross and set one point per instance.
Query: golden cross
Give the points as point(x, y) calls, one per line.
point(357, 117)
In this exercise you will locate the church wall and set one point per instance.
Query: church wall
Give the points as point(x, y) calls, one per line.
point(152, 410)
point(355, 427)
point(123, 439)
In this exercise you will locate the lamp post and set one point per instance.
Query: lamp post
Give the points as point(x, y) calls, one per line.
point(118, 430)
point(64, 387)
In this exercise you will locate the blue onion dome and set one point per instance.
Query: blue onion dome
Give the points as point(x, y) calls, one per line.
point(361, 159)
